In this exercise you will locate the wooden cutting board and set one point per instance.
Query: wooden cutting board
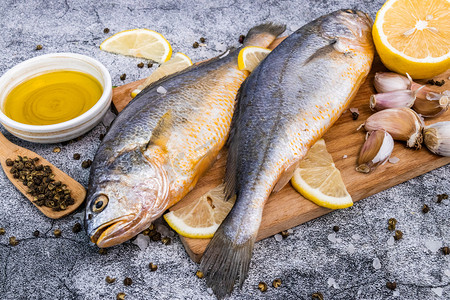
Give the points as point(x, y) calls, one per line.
point(287, 208)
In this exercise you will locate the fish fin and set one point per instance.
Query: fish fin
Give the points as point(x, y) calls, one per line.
point(224, 262)
point(285, 177)
point(161, 133)
point(263, 35)
point(321, 52)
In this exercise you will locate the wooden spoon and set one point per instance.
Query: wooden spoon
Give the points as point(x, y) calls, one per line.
point(78, 193)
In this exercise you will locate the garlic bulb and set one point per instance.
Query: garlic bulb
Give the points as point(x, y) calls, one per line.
point(437, 138)
point(376, 151)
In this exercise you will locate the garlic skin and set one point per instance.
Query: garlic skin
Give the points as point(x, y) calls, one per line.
point(388, 82)
point(394, 99)
point(433, 105)
point(402, 124)
point(376, 151)
point(437, 138)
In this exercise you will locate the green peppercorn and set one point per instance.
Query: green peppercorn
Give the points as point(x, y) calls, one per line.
point(276, 283)
point(391, 285)
point(195, 45)
point(13, 241)
point(284, 234)
point(36, 233)
point(441, 197)
point(199, 274)
point(146, 231)
point(262, 286)
point(9, 162)
point(149, 65)
point(2, 231)
point(398, 235)
point(57, 233)
point(166, 240)
point(152, 267)
point(110, 279)
point(120, 296)
point(56, 150)
point(102, 251)
point(202, 40)
point(39, 47)
point(127, 281)
point(317, 296)
point(76, 228)
point(77, 156)
point(86, 164)
point(123, 76)
point(425, 209)
point(391, 224)
point(140, 65)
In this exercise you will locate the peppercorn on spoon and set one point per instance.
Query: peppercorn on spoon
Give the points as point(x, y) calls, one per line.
point(12, 151)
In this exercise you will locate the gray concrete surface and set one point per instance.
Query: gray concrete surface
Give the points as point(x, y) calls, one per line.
point(308, 261)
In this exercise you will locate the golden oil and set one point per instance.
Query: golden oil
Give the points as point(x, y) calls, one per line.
point(52, 98)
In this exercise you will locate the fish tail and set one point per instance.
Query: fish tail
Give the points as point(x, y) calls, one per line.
point(263, 35)
point(224, 261)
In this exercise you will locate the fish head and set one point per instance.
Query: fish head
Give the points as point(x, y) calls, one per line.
point(350, 29)
point(124, 197)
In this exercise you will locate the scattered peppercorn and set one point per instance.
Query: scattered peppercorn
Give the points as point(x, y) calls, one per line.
point(149, 65)
point(391, 224)
point(36, 233)
point(102, 251)
point(202, 40)
point(152, 267)
point(166, 240)
point(446, 250)
point(56, 150)
point(276, 283)
point(425, 209)
point(284, 234)
point(439, 83)
point(140, 65)
point(120, 296)
point(76, 228)
point(355, 115)
point(101, 136)
point(335, 228)
point(391, 285)
point(86, 164)
point(398, 235)
point(441, 197)
point(241, 38)
point(57, 232)
point(262, 286)
point(317, 296)
point(9, 162)
point(156, 237)
point(195, 45)
point(146, 231)
point(110, 279)
point(106, 30)
point(199, 274)
point(41, 184)
point(77, 156)
point(127, 281)
point(13, 241)
point(123, 76)
point(39, 47)
point(2, 231)
point(431, 81)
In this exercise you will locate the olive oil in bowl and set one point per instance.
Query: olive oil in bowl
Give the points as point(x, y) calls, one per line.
point(52, 98)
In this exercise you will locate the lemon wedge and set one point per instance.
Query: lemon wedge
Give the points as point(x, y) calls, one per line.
point(143, 43)
point(200, 219)
point(250, 57)
point(177, 63)
point(413, 36)
point(318, 180)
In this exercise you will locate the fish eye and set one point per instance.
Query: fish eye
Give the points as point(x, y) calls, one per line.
point(350, 11)
point(100, 203)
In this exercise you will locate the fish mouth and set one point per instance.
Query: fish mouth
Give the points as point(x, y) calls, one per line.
point(113, 232)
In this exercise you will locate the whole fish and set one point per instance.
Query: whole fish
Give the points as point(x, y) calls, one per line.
point(162, 142)
point(287, 103)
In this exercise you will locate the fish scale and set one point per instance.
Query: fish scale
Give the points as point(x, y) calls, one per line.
point(285, 106)
point(161, 143)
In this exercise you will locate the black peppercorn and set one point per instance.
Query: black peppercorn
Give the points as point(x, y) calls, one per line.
point(391, 285)
point(36, 233)
point(123, 76)
point(127, 281)
point(76, 228)
point(241, 38)
point(106, 30)
point(140, 65)
point(195, 45)
point(152, 267)
point(335, 228)
point(425, 209)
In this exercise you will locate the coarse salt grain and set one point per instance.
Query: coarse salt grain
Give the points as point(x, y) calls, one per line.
point(332, 283)
point(447, 272)
point(161, 90)
point(142, 241)
point(391, 241)
point(210, 291)
point(438, 291)
point(394, 160)
point(351, 249)
point(376, 263)
point(354, 109)
point(433, 245)
point(278, 237)
point(344, 156)
point(396, 293)
point(290, 231)
point(332, 237)
point(356, 236)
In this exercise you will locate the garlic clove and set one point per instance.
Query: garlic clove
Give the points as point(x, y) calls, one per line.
point(376, 151)
point(394, 99)
point(437, 138)
point(433, 105)
point(388, 81)
point(402, 124)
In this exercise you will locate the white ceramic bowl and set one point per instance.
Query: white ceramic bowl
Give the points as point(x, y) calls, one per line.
point(53, 62)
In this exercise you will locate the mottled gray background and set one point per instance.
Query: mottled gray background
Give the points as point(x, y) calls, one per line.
point(70, 268)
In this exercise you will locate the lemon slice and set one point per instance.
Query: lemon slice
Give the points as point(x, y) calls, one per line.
point(250, 57)
point(318, 180)
point(143, 43)
point(177, 63)
point(200, 219)
point(413, 36)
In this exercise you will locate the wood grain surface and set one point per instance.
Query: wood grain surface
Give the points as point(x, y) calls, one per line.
point(287, 208)
point(10, 150)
